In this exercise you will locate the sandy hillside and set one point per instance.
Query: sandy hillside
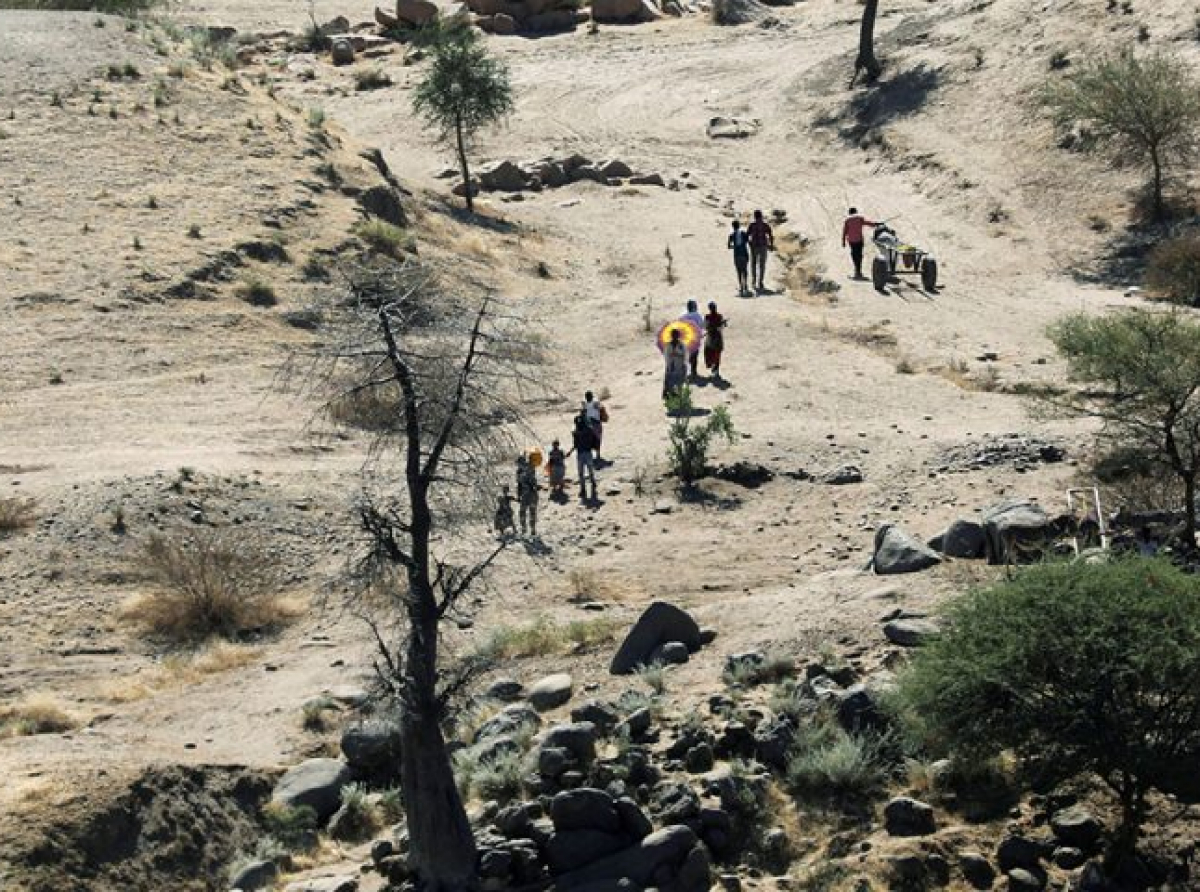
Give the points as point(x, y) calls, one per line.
point(130, 391)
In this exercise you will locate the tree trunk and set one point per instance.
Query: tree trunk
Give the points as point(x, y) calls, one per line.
point(1156, 163)
point(462, 164)
point(1189, 507)
point(866, 60)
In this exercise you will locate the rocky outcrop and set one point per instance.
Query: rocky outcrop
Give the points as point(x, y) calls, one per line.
point(659, 624)
point(898, 552)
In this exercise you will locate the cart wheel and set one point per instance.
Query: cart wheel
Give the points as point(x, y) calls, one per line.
point(929, 274)
point(880, 273)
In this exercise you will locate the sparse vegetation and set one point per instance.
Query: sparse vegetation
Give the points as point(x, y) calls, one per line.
point(775, 667)
point(1074, 667)
point(258, 293)
point(371, 79)
point(653, 676)
point(499, 778)
point(16, 515)
point(35, 714)
point(1142, 106)
point(1174, 270)
point(295, 829)
point(690, 438)
point(384, 237)
point(112, 7)
point(207, 582)
point(315, 714)
point(543, 637)
point(830, 763)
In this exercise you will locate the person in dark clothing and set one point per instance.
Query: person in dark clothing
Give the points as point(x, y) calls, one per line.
point(739, 244)
point(527, 495)
point(583, 444)
point(852, 235)
point(762, 240)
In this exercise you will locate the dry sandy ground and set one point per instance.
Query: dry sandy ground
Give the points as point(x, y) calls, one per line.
point(957, 157)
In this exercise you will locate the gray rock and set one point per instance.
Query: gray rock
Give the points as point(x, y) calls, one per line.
point(730, 128)
point(506, 690)
point(384, 202)
point(976, 870)
point(667, 849)
point(342, 51)
point(842, 476)
point(699, 759)
point(553, 761)
point(647, 179)
point(673, 653)
point(904, 816)
point(615, 169)
point(1010, 525)
point(659, 623)
point(551, 692)
point(511, 720)
point(1018, 851)
point(372, 747)
point(577, 738)
point(1076, 826)
point(255, 875)
point(963, 539)
point(502, 176)
point(495, 748)
point(572, 849)
point(617, 10)
point(602, 715)
point(1022, 880)
point(858, 709)
point(316, 783)
point(1068, 858)
point(909, 632)
point(634, 822)
point(898, 552)
point(638, 722)
point(695, 874)
point(584, 809)
point(380, 849)
point(324, 884)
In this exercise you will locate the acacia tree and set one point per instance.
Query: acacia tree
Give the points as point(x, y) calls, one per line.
point(866, 61)
point(464, 91)
point(1145, 370)
point(1077, 667)
point(1145, 106)
point(438, 378)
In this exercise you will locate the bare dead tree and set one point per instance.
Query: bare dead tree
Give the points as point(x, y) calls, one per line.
point(866, 61)
point(443, 381)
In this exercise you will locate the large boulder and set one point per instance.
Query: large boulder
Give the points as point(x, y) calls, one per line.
point(255, 875)
point(316, 783)
point(962, 539)
point(556, 20)
point(1077, 827)
point(417, 12)
point(584, 809)
point(572, 849)
point(1014, 530)
point(617, 10)
point(911, 632)
point(659, 854)
point(659, 623)
point(372, 748)
point(551, 692)
point(898, 552)
point(577, 738)
point(502, 176)
point(904, 816)
point(511, 720)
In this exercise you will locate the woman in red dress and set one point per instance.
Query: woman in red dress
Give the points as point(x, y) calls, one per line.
point(714, 340)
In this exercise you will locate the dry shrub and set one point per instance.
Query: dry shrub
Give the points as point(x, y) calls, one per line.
point(1174, 270)
point(543, 637)
point(208, 583)
point(179, 670)
point(16, 515)
point(374, 409)
point(35, 714)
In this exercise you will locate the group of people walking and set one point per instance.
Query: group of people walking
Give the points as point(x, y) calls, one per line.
point(682, 349)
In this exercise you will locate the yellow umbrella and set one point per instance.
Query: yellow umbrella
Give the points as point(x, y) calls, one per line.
point(689, 334)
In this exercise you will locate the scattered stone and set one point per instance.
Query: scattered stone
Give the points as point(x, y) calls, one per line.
point(255, 875)
point(1068, 858)
point(962, 539)
point(909, 632)
point(659, 856)
point(584, 809)
point(1022, 880)
point(1076, 826)
point(842, 476)
point(572, 849)
point(384, 202)
point(578, 738)
point(324, 884)
point(511, 720)
point(372, 748)
point(904, 816)
point(506, 690)
point(342, 51)
point(659, 624)
point(551, 692)
point(1006, 449)
point(977, 870)
point(744, 473)
point(603, 716)
point(316, 783)
point(417, 12)
point(699, 759)
point(730, 128)
point(1016, 851)
point(898, 552)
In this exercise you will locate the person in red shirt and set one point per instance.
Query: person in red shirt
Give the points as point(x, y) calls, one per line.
point(852, 235)
point(762, 240)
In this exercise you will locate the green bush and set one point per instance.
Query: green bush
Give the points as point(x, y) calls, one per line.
point(1073, 668)
point(1174, 270)
point(829, 762)
point(293, 828)
point(383, 237)
point(690, 438)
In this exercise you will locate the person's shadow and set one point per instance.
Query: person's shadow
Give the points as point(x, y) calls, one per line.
point(535, 547)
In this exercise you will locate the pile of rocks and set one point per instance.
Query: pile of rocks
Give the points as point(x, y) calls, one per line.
point(1020, 451)
point(552, 173)
point(526, 16)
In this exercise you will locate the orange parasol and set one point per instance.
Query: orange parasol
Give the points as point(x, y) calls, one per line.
point(688, 333)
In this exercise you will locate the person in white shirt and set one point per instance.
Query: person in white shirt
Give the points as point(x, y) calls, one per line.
point(595, 413)
point(693, 316)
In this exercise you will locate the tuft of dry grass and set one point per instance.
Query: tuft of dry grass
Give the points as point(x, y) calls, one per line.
point(180, 670)
point(385, 238)
point(16, 515)
point(208, 583)
point(35, 714)
point(543, 637)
